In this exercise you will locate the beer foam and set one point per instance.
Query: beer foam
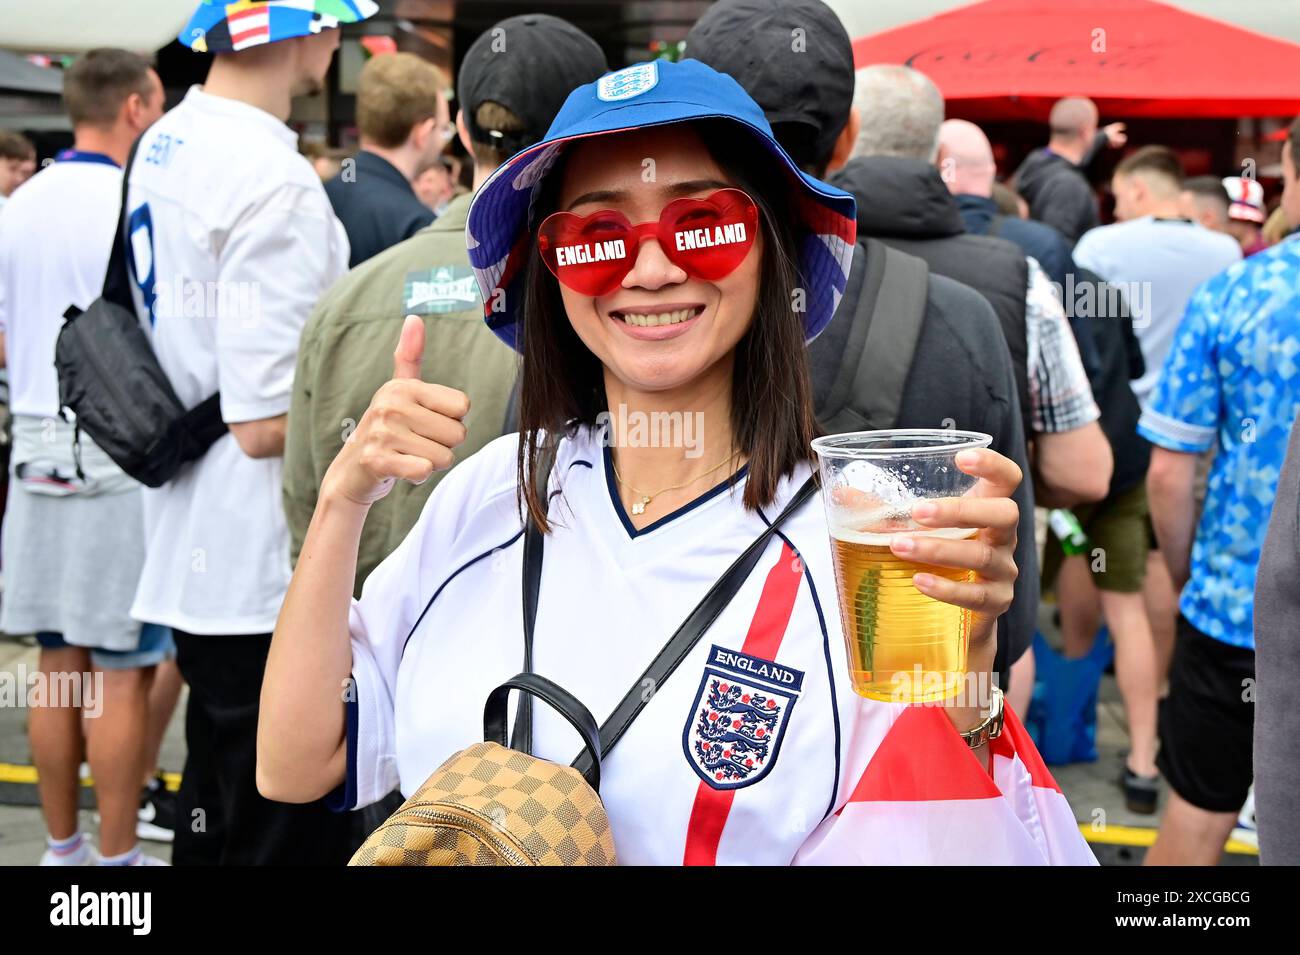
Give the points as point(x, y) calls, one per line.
point(883, 538)
point(872, 505)
point(876, 482)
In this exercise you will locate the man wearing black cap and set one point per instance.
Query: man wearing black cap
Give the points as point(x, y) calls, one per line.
point(795, 58)
point(796, 61)
point(513, 80)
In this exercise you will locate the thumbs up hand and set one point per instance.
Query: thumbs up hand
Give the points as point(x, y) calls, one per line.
point(410, 349)
point(407, 432)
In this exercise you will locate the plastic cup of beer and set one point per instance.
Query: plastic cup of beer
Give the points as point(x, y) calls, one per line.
point(903, 646)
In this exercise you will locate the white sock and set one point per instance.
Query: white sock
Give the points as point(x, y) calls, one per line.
point(130, 857)
point(65, 847)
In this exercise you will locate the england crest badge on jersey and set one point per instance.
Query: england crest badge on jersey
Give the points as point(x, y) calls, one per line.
point(738, 719)
point(627, 83)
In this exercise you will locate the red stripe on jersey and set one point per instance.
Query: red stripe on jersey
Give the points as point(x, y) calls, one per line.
point(766, 631)
point(708, 819)
point(949, 770)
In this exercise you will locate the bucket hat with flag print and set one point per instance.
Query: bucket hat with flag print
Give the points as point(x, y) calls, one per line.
point(218, 27)
point(656, 93)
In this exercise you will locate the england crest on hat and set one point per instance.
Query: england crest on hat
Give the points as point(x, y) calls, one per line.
point(624, 84)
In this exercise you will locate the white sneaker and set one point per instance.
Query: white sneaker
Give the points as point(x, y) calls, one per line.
point(1245, 831)
point(85, 855)
point(156, 818)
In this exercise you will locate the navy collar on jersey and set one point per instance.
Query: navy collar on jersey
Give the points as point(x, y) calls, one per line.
point(83, 155)
point(631, 529)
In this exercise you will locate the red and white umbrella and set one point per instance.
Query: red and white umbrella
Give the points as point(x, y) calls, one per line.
point(1008, 59)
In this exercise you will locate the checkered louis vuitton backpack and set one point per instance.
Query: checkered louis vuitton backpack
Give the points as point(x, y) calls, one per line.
point(489, 805)
point(493, 805)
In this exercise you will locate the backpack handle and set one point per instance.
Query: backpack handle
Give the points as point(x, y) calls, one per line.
point(560, 700)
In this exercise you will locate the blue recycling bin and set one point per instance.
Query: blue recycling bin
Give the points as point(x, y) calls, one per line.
point(1062, 717)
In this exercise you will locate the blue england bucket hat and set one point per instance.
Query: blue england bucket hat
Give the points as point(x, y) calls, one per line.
point(650, 94)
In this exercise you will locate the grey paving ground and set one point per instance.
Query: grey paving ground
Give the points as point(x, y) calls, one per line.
point(22, 830)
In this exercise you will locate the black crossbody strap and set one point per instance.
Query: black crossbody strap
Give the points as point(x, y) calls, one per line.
point(521, 738)
point(559, 699)
point(689, 633)
point(117, 280)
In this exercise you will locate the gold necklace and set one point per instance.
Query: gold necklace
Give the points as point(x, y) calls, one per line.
point(639, 505)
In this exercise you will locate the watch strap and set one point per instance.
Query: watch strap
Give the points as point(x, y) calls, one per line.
point(990, 728)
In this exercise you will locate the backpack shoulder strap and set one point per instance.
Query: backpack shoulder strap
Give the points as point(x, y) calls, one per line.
point(995, 225)
point(534, 542)
point(117, 279)
point(868, 390)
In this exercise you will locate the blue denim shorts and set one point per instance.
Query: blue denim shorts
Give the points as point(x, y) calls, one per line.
point(154, 647)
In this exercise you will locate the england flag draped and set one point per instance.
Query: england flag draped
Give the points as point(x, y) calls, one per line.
point(945, 809)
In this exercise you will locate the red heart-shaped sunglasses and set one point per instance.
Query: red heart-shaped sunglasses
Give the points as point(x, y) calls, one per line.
point(707, 238)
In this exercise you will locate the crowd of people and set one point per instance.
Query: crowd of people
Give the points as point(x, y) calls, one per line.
point(336, 580)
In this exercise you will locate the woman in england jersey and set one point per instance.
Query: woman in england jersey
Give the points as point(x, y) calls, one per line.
point(659, 263)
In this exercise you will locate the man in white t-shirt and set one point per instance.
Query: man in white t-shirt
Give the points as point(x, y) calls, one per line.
point(73, 542)
point(232, 241)
point(1155, 254)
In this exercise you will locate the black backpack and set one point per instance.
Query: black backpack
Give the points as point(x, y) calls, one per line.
point(109, 377)
point(867, 389)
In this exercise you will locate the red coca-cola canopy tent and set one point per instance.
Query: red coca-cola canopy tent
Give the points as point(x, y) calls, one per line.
point(1011, 59)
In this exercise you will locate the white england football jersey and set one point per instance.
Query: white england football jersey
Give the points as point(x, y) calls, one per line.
point(753, 750)
point(233, 240)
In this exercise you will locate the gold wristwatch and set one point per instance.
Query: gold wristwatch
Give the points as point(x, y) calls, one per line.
point(989, 728)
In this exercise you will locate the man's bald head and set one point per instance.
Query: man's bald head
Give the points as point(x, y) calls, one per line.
point(966, 159)
point(1073, 119)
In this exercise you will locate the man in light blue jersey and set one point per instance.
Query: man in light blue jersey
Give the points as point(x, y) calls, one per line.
point(1232, 383)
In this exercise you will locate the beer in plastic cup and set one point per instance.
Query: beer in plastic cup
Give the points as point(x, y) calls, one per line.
point(902, 645)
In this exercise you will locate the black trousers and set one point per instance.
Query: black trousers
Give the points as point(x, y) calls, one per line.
point(221, 818)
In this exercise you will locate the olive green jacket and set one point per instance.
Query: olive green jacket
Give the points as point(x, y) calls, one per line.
point(346, 354)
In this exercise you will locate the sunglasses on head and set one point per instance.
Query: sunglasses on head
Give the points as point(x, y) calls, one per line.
point(706, 238)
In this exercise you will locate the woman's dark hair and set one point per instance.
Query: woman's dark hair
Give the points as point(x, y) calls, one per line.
point(562, 383)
